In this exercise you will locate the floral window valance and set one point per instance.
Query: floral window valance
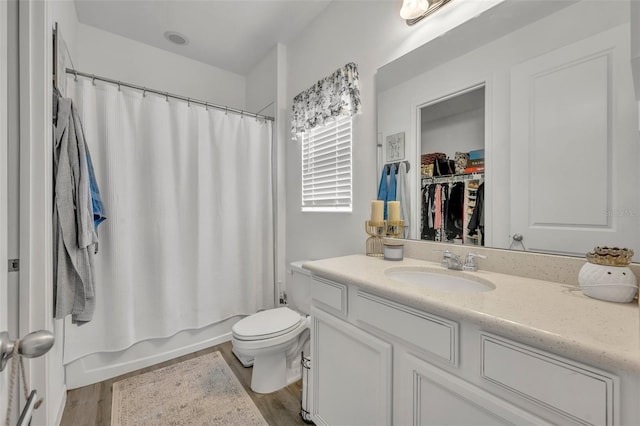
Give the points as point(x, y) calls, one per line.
point(334, 96)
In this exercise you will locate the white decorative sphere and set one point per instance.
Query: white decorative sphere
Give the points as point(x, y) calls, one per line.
point(610, 283)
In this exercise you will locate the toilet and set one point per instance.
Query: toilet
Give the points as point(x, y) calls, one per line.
point(272, 340)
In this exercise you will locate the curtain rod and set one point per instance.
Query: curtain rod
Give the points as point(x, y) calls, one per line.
point(168, 95)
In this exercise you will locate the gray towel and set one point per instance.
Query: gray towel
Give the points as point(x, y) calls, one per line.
point(75, 236)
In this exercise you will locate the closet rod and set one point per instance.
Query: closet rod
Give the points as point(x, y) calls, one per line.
point(168, 95)
point(453, 178)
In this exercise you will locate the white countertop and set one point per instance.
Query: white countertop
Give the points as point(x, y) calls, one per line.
point(543, 314)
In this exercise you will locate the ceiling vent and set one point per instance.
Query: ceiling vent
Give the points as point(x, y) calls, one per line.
point(175, 38)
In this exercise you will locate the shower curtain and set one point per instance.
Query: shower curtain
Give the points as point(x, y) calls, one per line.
point(188, 239)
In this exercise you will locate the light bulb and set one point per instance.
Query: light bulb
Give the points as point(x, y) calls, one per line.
point(412, 9)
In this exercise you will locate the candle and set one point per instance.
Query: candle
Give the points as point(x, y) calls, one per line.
point(377, 209)
point(394, 210)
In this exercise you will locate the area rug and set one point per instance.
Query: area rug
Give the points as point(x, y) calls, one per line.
point(198, 391)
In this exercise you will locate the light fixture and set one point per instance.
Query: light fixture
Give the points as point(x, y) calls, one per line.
point(175, 38)
point(413, 11)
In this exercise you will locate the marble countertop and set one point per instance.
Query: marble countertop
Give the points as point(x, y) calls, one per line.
point(551, 316)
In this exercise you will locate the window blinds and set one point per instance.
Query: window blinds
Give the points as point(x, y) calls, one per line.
point(326, 167)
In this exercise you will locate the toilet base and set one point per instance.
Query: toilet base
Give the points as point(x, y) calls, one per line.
point(264, 381)
point(245, 360)
point(269, 373)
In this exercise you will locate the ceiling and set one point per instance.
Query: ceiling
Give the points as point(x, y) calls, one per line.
point(230, 34)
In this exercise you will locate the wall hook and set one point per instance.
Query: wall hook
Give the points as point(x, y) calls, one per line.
point(93, 80)
point(75, 73)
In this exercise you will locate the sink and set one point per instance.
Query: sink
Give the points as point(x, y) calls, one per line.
point(439, 280)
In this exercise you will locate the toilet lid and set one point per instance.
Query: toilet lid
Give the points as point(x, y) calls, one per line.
point(266, 324)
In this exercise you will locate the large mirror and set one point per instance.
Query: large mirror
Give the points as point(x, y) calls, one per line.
point(520, 127)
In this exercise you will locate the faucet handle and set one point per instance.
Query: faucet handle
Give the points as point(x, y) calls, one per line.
point(469, 264)
point(446, 254)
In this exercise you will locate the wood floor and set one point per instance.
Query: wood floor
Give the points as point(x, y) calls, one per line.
point(91, 405)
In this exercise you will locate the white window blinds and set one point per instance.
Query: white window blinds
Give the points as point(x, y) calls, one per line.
point(326, 167)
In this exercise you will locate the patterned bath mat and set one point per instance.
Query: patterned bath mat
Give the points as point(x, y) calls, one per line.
point(199, 391)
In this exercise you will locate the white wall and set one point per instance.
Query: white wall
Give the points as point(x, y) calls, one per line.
point(369, 33)
point(267, 94)
point(64, 13)
point(261, 85)
point(113, 56)
point(462, 132)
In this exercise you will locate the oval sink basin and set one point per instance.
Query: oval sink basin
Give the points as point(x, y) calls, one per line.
point(437, 280)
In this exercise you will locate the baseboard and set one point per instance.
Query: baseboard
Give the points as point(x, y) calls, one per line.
point(60, 406)
point(98, 367)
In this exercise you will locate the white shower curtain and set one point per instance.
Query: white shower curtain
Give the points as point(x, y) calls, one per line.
point(188, 239)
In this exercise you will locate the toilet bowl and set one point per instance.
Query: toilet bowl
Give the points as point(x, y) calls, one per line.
point(272, 340)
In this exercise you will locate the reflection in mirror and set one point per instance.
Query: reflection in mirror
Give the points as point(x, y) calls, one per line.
point(546, 89)
point(452, 168)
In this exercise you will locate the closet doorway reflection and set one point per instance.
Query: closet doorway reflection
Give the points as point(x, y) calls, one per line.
point(451, 142)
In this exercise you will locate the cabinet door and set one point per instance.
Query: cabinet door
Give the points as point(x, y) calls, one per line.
point(427, 395)
point(351, 372)
point(574, 147)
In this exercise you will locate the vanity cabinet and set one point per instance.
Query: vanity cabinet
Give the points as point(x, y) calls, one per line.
point(378, 361)
point(351, 369)
point(428, 395)
point(578, 393)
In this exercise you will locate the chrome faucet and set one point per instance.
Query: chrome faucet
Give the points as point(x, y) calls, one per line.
point(450, 260)
point(453, 261)
point(469, 264)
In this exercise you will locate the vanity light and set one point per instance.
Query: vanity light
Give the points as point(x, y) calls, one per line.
point(411, 9)
point(414, 11)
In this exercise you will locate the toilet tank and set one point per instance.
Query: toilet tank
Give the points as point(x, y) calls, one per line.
point(299, 287)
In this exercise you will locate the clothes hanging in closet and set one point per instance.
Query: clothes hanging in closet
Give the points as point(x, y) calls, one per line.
point(455, 212)
point(476, 223)
point(435, 199)
point(446, 209)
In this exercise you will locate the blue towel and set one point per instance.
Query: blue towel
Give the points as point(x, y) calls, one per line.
point(96, 201)
point(382, 190)
point(391, 190)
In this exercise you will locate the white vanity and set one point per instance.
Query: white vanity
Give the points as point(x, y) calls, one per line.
point(526, 352)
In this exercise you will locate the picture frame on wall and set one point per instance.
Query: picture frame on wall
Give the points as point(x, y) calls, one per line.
point(395, 147)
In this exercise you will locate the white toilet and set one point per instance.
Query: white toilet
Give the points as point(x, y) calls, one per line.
point(272, 340)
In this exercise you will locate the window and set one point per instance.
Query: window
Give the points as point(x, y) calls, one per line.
point(326, 167)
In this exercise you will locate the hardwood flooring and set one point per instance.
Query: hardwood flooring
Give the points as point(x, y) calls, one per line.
point(91, 405)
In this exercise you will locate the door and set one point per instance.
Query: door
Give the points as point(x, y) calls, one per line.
point(44, 374)
point(574, 171)
point(3, 195)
